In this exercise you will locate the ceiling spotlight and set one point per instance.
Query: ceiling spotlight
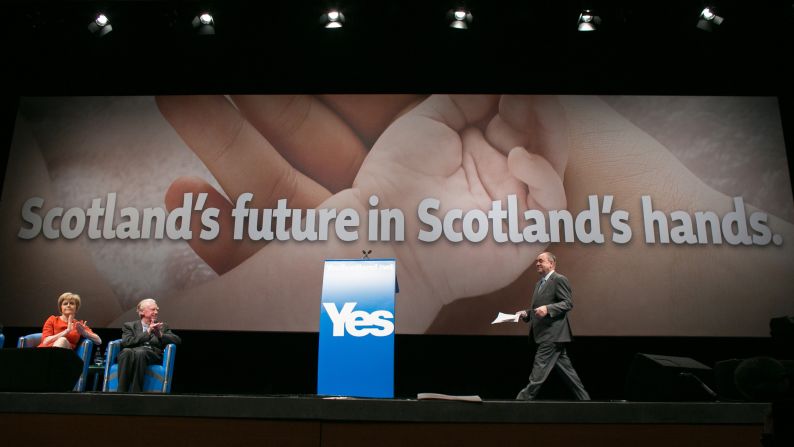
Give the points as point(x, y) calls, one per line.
point(588, 21)
point(459, 18)
point(100, 26)
point(332, 19)
point(101, 20)
point(708, 19)
point(204, 24)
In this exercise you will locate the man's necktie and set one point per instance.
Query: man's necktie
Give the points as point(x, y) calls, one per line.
point(542, 281)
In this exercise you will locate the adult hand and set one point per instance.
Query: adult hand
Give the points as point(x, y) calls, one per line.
point(156, 328)
point(294, 147)
point(541, 311)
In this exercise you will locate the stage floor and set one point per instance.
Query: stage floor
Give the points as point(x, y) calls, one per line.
point(316, 421)
point(383, 410)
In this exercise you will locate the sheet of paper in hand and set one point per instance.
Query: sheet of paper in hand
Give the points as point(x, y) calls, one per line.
point(504, 318)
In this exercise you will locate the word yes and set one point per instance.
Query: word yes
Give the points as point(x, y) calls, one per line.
point(359, 323)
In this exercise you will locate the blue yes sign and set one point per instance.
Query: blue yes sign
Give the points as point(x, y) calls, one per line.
point(356, 356)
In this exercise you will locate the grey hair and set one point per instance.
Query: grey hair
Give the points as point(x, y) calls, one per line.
point(145, 301)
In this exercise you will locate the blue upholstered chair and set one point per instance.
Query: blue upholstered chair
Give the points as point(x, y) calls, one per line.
point(29, 341)
point(2, 340)
point(84, 349)
point(158, 375)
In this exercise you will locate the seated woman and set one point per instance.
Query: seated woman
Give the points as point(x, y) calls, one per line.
point(66, 330)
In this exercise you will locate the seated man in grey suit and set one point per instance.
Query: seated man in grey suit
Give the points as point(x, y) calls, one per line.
point(548, 318)
point(142, 343)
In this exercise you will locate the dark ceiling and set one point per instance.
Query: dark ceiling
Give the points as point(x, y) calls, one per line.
point(398, 46)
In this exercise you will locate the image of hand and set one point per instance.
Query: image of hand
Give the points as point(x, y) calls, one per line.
point(299, 148)
point(42, 155)
point(440, 150)
point(688, 154)
point(656, 289)
point(464, 151)
point(708, 288)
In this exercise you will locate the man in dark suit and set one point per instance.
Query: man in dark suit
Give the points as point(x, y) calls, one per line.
point(548, 319)
point(142, 343)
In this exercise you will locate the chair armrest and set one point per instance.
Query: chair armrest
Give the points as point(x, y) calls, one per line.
point(168, 355)
point(29, 341)
point(84, 349)
point(113, 349)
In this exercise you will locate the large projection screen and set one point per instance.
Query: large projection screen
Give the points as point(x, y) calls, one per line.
point(671, 216)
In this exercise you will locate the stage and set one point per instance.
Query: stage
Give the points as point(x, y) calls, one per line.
point(316, 421)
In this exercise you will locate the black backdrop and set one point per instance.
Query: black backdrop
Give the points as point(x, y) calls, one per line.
point(512, 47)
point(494, 367)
